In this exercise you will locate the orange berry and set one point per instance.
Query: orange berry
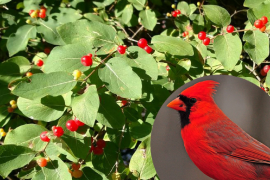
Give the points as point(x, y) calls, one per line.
point(10, 109)
point(42, 162)
point(29, 74)
point(77, 173)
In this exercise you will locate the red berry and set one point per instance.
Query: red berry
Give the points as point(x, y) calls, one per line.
point(202, 35)
point(42, 162)
point(148, 49)
point(124, 102)
point(42, 8)
point(121, 49)
point(263, 29)
point(101, 143)
point(90, 55)
point(230, 28)
point(39, 63)
point(79, 123)
point(58, 131)
point(42, 14)
point(263, 88)
point(72, 125)
point(47, 50)
point(92, 148)
point(43, 136)
point(206, 41)
point(184, 34)
point(174, 14)
point(75, 166)
point(31, 11)
point(265, 70)
point(258, 24)
point(142, 43)
point(87, 61)
point(178, 12)
point(98, 151)
point(53, 127)
point(264, 19)
point(168, 68)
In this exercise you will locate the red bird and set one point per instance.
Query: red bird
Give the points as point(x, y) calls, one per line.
point(216, 145)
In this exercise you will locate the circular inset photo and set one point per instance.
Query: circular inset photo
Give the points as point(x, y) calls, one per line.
point(215, 127)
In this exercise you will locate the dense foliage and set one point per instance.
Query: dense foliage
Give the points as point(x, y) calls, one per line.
point(81, 81)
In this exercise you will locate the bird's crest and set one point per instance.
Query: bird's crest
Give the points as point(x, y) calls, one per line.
point(203, 90)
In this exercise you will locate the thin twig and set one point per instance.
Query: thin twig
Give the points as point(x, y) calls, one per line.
point(235, 12)
point(119, 149)
point(141, 28)
point(254, 72)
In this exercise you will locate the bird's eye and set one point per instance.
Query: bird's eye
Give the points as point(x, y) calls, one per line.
point(192, 100)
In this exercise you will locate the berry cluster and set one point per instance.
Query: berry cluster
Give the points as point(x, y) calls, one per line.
point(13, 105)
point(261, 23)
point(87, 60)
point(76, 172)
point(142, 43)
point(265, 70)
point(176, 13)
point(41, 13)
point(57, 131)
point(2, 132)
point(74, 124)
point(185, 34)
point(202, 36)
point(98, 146)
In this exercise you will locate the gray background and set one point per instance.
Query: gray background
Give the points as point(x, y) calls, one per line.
point(243, 102)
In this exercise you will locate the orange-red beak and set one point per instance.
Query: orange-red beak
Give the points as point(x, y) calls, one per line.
point(178, 105)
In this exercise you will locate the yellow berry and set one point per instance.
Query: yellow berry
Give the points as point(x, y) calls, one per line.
point(116, 176)
point(2, 130)
point(173, 6)
point(12, 102)
point(241, 56)
point(34, 14)
point(168, 15)
point(95, 9)
point(198, 3)
point(29, 74)
point(28, 21)
point(77, 173)
point(3, 134)
point(48, 159)
point(147, 7)
point(14, 106)
point(77, 74)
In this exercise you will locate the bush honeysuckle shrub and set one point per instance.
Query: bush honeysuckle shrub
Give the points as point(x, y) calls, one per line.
point(82, 81)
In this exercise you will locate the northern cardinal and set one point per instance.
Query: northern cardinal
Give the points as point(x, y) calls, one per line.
point(216, 145)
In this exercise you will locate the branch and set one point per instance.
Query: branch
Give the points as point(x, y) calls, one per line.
point(141, 28)
point(254, 73)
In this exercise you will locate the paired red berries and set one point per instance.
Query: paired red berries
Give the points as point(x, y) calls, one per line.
point(202, 36)
point(176, 13)
point(87, 60)
point(260, 23)
point(42, 162)
point(72, 125)
point(98, 149)
point(58, 131)
point(39, 63)
point(142, 43)
point(122, 49)
point(265, 70)
point(43, 136)
point(230, 28)
point(184, 34)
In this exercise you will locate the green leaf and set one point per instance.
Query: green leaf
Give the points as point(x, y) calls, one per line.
point(48, 30)
point(131, 114)
point(139, 130)
point(267, 80)
point(252, 3)
point(65, 15)
point(31, 4)
point(93, 174)
point(93, 17)
point(4, 1)
point(68, 58)
point(262, 9)
point(55, 169)
point(13, 69)
point(257, 45)
point(127, 13)
point(250, 78)
point(18, 41)
point(94, 32)
point(217, 15)
point(172, 45)
point(85, 106)
point(138, 4)
point(116, 135)
point(148, 19)
point(47, 109)
point(102, 3)
point(228, 49)
point(184, 8)
point(56, 83)
point(142, 63)
point(28, 136)
point(198, 23)
point(141, 161)
point(14, 157)
point(182, 22)
point(121, 81)
point(109, 113)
